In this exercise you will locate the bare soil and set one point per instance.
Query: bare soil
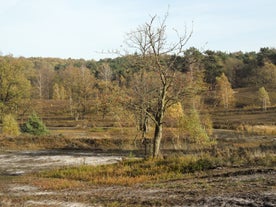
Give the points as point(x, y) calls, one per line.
point(22, 162)
point(219, 187)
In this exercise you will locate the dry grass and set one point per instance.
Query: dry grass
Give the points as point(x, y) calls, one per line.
point(259, 129)
point(30, 142)
point(133, 171)
point(248, 97)
point(55, 184)
point(125, 173)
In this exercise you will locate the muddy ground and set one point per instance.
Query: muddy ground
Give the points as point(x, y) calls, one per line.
point(219, 187)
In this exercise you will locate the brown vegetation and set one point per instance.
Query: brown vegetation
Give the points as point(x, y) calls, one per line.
point(157, 103)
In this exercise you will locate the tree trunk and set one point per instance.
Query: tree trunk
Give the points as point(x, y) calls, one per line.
point(157, 139)
point(159, 122)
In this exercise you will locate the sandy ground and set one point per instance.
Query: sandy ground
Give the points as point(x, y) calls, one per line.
point(16, 163)
point(252, 190)
point(222, 187)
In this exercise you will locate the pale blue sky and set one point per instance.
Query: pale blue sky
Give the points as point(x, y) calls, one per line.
point(84, 28)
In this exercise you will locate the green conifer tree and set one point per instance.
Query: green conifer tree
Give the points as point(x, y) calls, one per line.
point(34, 126)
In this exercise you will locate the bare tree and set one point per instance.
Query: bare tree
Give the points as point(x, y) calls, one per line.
point(157, 56)
point(44, 76)
point(105, 72)
point(79, 83)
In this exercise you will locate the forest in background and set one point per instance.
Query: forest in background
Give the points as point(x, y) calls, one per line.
point(95, 90)
point(106, 81)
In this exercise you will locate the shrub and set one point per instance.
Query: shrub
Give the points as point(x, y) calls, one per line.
point(34, 126)
point(10, 126)
point(196, 130)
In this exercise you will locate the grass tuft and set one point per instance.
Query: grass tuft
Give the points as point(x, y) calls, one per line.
point(56, 184)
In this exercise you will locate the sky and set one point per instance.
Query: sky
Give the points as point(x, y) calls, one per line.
point(90, 29)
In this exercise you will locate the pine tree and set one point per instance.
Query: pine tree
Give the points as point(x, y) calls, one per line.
point(34, 126)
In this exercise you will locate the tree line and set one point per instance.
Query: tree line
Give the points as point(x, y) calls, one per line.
point(48, 78)
point(242, 69)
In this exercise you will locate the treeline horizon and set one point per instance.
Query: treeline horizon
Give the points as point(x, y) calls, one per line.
point(241, 68)
point(79, 79)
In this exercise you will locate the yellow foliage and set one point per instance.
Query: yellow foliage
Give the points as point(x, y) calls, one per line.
point(10, 126)
point(174, 114)
point(198, 131)
point(175, 111)
point(225, 93)
point(258, 129)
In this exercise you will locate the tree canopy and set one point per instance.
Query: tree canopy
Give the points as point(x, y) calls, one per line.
point(14, 83)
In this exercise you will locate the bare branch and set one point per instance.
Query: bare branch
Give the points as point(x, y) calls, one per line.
point(151, 41)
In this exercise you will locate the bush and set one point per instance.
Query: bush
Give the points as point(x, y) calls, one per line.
point(10, 126)
point(34, 126)
point(196, 130)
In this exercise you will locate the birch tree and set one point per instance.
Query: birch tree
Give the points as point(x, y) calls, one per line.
point(224, 92)
point(43, 79)
point(264, 98)
point(79, 83)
